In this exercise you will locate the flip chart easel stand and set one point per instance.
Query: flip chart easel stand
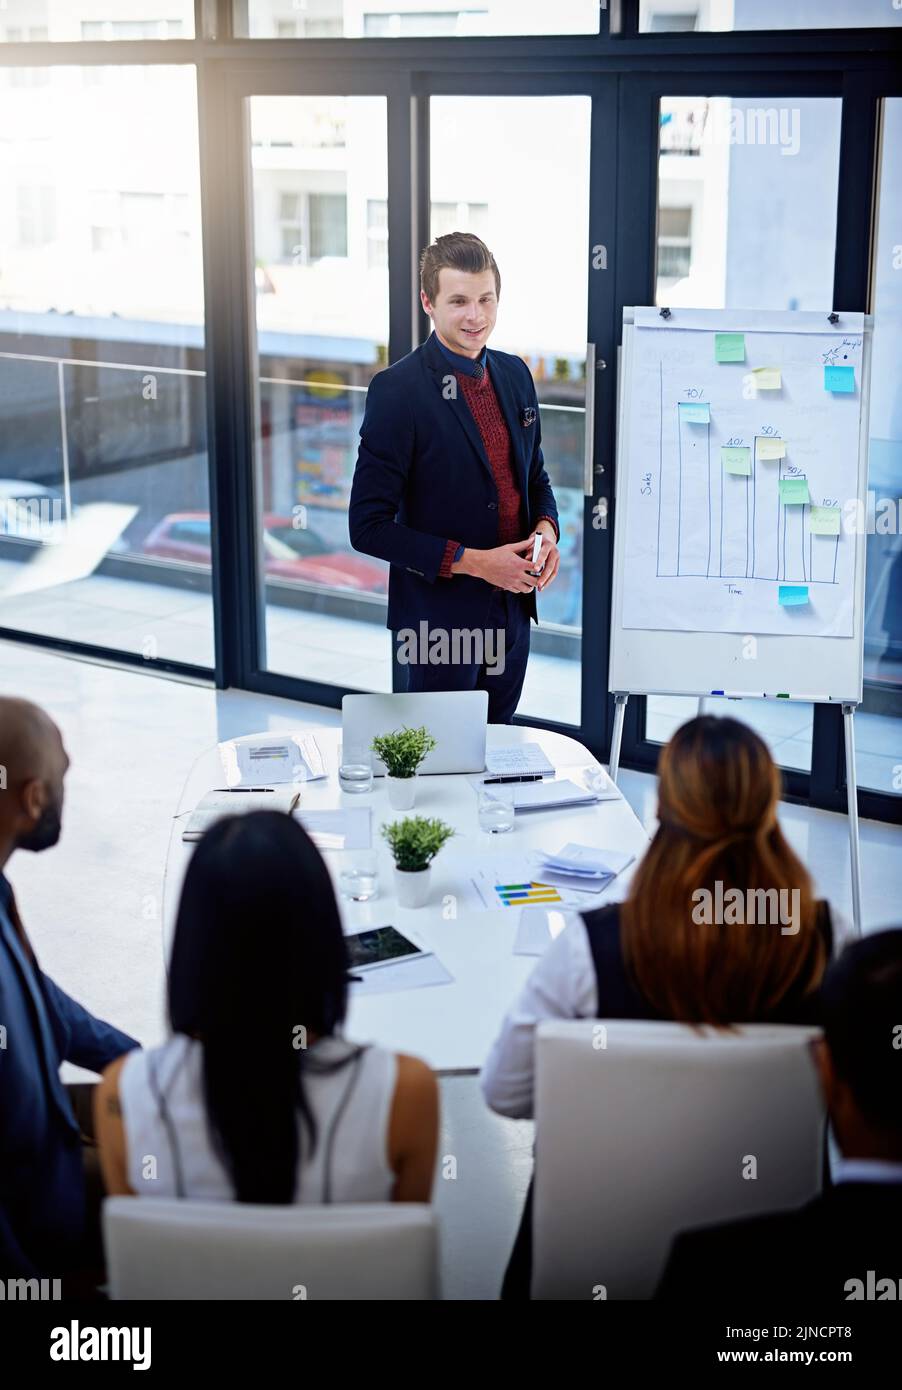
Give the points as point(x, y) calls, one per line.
point(848, 711)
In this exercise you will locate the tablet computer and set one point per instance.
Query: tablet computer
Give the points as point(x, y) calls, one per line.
point(380, 946)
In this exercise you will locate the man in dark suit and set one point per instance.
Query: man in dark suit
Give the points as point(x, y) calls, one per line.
point(450, 488)
point(847, 1244)
point(45, 1229)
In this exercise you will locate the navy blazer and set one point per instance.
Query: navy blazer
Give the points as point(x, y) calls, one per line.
point(41, 1176)
point(423, 478)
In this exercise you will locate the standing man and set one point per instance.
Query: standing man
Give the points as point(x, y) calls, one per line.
point(450, 488)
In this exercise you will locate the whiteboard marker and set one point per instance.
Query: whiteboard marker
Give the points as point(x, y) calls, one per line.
point(812, 699)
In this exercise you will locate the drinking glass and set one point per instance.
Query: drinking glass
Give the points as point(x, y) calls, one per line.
point(358, 876)
point(496, 809)
point(355, 768)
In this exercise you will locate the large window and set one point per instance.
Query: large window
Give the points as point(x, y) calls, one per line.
point(684, 16)
point(747, 218)
point(542, 313)
point(103, 458)
point(878, 727)
point(66, 21)
point(529, 124)
point(321, 255)
point(405, 19)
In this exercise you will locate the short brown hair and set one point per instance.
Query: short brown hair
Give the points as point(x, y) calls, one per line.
point(457, 251)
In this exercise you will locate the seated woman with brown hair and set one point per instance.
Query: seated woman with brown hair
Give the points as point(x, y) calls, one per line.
point(720, 925)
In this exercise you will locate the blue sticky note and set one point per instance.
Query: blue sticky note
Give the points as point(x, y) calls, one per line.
point(695, 412)
point(839, 378)
point(791, 595)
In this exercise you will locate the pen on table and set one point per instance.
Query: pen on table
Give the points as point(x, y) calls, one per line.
point(244, 789)
point(526, 777)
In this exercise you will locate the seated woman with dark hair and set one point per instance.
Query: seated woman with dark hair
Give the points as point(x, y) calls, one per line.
point(720, 925)
point(257, 1096)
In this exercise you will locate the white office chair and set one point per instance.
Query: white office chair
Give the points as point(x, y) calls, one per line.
point(651, 1134)
point(159, 1248)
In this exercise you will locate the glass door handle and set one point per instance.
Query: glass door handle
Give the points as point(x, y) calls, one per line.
point(589, 456)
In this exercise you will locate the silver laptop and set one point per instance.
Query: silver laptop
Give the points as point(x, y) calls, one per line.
point(455, 718)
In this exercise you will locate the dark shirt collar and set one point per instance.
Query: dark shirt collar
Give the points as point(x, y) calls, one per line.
point(461, 363)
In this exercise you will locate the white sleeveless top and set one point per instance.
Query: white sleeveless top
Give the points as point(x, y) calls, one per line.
point(351, 1106)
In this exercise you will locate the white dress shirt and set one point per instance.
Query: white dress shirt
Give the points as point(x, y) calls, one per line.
point(865, 1170)
point(562, 985)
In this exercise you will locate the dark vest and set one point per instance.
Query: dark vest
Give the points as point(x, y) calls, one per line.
point(619, 997)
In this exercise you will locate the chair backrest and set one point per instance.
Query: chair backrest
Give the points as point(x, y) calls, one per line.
point(160, 1248)
point(644, 1130)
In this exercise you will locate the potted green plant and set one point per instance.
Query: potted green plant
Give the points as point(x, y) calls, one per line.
point(402, 752)
point(414, 843)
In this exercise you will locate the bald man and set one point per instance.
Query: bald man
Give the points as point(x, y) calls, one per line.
point(44, 1229)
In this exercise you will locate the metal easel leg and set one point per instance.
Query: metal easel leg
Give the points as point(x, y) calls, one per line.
point(852, 792)
point(617, 735)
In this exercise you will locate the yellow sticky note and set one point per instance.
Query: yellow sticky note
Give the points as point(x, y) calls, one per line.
point(767, 448)
point(767, 379)
point(823, 521)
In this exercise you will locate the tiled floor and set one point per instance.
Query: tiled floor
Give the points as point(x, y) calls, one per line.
point(92, 903)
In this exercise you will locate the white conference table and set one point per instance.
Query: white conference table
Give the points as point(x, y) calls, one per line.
point(451, 1026)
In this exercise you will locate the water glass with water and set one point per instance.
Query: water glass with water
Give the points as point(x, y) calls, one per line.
point(358, 877)
point(355, 768)
point(496, 809)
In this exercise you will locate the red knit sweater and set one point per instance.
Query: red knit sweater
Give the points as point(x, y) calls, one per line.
point(486, 411)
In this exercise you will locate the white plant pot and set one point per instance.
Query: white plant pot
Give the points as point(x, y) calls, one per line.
point(412, 889)
point(402, 792)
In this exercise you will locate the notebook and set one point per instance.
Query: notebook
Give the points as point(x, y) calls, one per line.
point(222, 801)
point(544, 796)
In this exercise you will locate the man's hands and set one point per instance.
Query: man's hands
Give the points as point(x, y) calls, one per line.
point(509, 566)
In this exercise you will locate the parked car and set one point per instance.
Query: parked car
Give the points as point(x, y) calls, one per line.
point(288, 553)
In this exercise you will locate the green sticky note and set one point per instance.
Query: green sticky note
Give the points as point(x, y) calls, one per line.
point(729, 347)
point(824, 521)
point(767, 448)
point(736, 460)
point(794, 491)
point(839, 378)
point(695, 412)
point(767, 378)
point(791, 595)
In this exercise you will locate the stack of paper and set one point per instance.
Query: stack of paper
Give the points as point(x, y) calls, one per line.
point(337, 829)
point(583, 868)
point(544, 796)
point(263, 760)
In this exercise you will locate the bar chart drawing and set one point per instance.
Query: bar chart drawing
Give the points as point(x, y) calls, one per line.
point(748, 533)
point(734, 468)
